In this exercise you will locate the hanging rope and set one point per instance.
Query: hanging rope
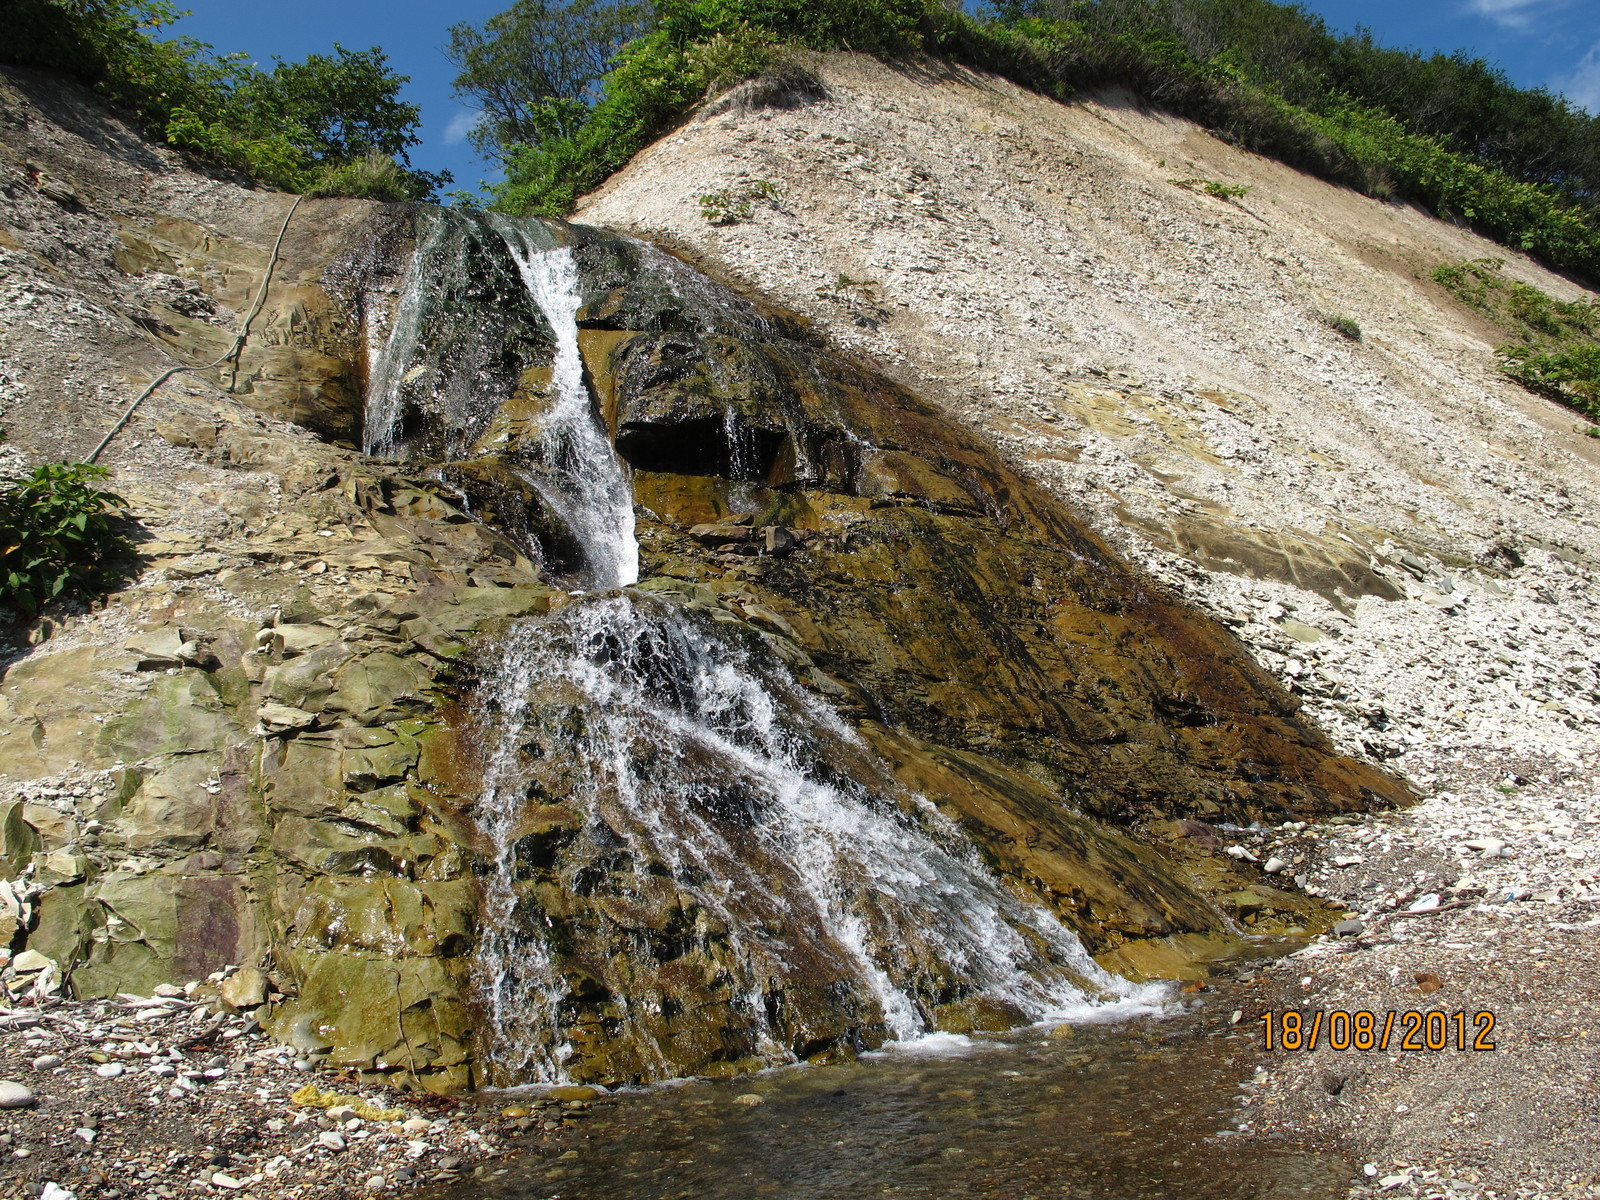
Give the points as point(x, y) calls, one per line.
point(232, 351)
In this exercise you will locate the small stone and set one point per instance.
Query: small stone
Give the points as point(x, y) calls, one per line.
point(31, 961)
point(778, 540)
point(1353, 927)
point(15, 1095)
point(1370, 1170)
point(449, 1163)
point(1488, 847)
point(1273, 865)
point(516, 1110)
point(749, 1100)
point(163, 1070)
point(331, 1140)
point(222, 1180)
point(377, 1183)
point(46, 1062)
point(88, 1135)
point(109, 1070)
point(1240, 853)
point(245, 988)
point(1347, 860)
point(1422, 904)
point(417, 1125)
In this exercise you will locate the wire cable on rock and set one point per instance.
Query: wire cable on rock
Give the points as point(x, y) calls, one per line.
point(233, 350)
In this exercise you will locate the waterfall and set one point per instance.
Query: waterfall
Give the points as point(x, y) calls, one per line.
point(696, 759)
point(694, 858)
point(588, 486)
point(381, 419)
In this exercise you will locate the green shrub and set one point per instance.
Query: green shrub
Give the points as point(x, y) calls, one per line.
point(290, 127)
point(59, 536)
point(1569, 374)
point(1214, 187)
point(373, 176)
point(1556, 351)
point(1345, 327)
point(728, 206)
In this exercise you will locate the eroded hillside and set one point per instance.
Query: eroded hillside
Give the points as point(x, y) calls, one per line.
point(1408, 538)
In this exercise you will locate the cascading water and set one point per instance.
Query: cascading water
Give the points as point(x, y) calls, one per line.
point(587, 485)
point(698, 760)
point(671, 813)
point(393, 359)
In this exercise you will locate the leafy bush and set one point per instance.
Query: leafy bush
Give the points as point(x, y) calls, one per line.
point(58, 536)
point(1569, 374)
point(1213, 187)
point(290, 127)
point(732, 205)
point(1345, 327)
point(373, 176)
point(1557, 348)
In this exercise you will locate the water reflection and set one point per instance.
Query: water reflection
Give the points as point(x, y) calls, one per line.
point(1144, 1110)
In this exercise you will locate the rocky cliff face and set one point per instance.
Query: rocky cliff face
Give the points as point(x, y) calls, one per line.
point(353, 725)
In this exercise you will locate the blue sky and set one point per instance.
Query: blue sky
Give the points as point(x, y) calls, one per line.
point(1554, 43)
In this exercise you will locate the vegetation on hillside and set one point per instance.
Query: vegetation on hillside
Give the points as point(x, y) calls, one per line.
point(1449, 132)
point(1555, 346)
point(59, 536)
point(333, 124)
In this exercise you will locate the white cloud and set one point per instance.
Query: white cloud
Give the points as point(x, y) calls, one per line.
point(1581, 85)
point(460, 125)
point(1517, 14)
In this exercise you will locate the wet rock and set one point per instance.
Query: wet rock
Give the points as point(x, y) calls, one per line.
point(574, 1092)
point(720, 534)
point(779, 541)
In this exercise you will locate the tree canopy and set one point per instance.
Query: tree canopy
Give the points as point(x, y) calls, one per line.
point(333, 122)
point(534, 71)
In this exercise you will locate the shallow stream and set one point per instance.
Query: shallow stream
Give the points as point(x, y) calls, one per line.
point(1145, 1108)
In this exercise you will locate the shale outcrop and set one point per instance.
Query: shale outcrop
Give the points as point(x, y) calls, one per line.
point(268, 749)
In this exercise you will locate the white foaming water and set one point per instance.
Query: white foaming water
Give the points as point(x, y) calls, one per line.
point(389, 365)
point(702, 761)
point(588, 485)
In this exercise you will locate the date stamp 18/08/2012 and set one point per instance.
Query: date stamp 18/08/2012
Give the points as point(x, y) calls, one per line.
point(1382, 1031)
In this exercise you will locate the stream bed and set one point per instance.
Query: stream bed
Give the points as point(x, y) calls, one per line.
point(1142, 1108)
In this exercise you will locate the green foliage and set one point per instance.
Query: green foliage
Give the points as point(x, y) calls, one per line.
point(1570, 374)
point(1345, 327)
point(373, 176)
point(534, 70)
point(292, 127)
point(1213, 187)
point(653, 84)
point(729, 206)
point(1556, 351)
point(59, 536)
